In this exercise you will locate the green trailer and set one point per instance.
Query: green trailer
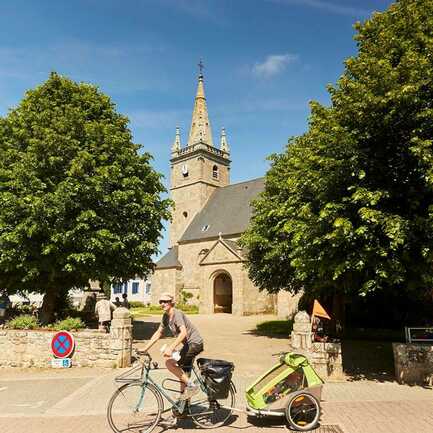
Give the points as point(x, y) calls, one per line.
point(290, 388)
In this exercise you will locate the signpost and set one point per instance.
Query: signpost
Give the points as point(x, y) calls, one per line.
point(62, 346)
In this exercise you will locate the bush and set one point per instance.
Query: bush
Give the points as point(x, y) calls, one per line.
point(69, 324)
point(24, 321)
point(136, 304)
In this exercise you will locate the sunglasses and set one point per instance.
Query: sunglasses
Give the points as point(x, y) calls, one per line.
point(164, 302)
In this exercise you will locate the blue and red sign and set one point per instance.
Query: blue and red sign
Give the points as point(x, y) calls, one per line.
point(62, 344)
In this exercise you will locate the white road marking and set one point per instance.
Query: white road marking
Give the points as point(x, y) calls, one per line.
point(31, 405)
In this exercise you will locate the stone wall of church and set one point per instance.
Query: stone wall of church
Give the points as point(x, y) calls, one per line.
point(166, 280)
point(255, 301)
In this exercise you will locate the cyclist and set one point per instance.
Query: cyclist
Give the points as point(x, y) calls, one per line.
point(186, 333)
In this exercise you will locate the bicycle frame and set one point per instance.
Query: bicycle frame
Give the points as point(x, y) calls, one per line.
point(146, 379)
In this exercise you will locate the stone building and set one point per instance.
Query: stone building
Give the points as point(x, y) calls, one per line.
point(204, 257)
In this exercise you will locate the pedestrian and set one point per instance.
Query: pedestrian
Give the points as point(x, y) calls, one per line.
point(125, 302)
point(4, 305)
point(187, 334)
point(103, 310)
point(117, 302)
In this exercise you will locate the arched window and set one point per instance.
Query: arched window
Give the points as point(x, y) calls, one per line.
point(215, 172)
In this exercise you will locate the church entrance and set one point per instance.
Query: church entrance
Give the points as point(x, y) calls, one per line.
point(223, 294)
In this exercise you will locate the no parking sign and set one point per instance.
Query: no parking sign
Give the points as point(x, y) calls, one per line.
point(62, 344)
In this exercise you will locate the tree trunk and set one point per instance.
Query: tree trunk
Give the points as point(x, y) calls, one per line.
point(339, 314)
point(46, 315)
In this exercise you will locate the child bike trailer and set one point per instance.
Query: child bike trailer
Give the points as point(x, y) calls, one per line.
point(291, 388)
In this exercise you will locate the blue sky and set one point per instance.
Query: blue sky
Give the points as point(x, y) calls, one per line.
point(264, 61)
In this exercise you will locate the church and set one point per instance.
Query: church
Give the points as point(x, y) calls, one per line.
point(204, 258)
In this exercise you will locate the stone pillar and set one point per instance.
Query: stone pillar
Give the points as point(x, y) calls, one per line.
point(121, 336)
point(301, 337)
point(324, 357)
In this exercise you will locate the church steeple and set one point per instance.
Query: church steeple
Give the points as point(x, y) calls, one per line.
point(224, 146)
point(200, 126)
point(176, 143)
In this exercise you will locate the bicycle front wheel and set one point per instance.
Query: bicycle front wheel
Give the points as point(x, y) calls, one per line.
point(134, 408)
point(212, 413)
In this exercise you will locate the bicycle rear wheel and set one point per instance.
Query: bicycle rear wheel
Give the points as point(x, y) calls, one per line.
point(212, 413)
point(134, 408)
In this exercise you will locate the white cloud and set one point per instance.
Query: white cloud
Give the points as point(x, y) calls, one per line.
point(327, 6)
point(273, 65)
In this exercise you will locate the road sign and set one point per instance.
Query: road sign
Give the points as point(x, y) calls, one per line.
point(62, 344)
point(61, 363)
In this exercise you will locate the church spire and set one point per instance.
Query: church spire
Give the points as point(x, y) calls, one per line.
point(200, 126)
point(224, 146)
point(176, 142)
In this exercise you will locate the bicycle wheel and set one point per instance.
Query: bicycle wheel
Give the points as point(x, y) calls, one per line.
point(211, 413)
point(134, 408)
point(303, 411)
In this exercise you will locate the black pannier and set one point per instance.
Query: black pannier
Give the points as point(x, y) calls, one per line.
point(217, 376)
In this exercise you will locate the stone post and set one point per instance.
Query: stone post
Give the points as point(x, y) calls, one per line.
point(301, 337)
point(121, 336)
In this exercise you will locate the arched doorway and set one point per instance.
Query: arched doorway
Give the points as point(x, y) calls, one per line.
point(222, 293)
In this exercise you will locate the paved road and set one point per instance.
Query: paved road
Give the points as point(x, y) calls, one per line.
point(63, 403)
point(74, 400)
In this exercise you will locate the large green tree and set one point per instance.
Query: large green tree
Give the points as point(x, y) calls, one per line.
point(348, 207)
point(78, 201)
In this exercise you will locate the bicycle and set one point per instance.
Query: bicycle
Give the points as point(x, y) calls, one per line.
point(137, 406)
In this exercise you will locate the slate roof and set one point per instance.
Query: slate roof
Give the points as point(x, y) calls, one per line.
point(227, 211)
point(169, 260)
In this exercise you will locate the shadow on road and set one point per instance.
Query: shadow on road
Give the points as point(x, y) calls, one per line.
point(143, 330)
point(372, 360)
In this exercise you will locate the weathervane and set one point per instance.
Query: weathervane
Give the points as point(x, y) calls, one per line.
point(201, 67)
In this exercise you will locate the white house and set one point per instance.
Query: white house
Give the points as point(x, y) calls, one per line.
point(137, 289)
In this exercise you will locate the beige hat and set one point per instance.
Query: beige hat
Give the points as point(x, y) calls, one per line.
point(166, 297)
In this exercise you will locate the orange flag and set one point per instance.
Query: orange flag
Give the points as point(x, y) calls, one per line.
point(319, 311)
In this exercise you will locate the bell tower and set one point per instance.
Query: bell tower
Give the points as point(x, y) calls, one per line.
point(198, 168)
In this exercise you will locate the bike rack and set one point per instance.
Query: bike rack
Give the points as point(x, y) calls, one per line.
point(130, 376)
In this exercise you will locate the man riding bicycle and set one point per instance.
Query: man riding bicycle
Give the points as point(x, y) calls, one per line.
point(186, 333)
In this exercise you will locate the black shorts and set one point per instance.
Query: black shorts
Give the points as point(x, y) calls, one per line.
point(187, 355)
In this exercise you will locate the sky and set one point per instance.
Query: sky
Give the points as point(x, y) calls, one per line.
point(264, 60)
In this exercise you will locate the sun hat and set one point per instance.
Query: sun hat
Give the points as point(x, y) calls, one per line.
point(166, 297)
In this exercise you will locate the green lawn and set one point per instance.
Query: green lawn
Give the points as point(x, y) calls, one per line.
point(275, 327)
point(157, 310)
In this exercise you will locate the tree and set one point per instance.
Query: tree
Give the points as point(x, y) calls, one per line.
point(77, 199)
point(348, 207)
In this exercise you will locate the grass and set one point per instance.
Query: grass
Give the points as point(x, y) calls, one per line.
point(275, 327)
point(156, 309)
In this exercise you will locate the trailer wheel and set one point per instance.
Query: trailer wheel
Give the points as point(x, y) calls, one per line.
point(302, 411)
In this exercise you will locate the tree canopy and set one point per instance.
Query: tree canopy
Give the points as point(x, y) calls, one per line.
point(348, 206)
point(78, 201)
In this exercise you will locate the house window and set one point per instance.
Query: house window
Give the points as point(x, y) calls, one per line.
point(215, 172)
point(147, 289)
point(117, 288)
point(135, 287)
point(125, 287)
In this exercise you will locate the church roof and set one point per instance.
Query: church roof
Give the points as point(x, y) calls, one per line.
point(169, 260)
point(228, 211)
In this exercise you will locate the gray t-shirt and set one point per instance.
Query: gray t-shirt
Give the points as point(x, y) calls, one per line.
point(179, 319)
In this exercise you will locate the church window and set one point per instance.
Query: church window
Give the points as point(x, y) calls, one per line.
point(215, 172)
point(205, 228)
point(185, 214)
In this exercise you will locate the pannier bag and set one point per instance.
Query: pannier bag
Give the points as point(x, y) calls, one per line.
point(217, 376)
